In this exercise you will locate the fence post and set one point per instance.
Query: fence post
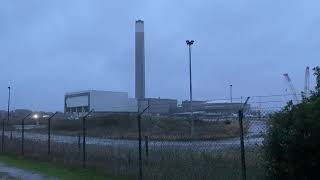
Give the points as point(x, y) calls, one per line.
point(2, 138)
point(139, 129)
point(22, 134)
point(84, 142)
point(79, 142)
point(243, 159)
point(84, 139)
point(22, 138)
point(49, 136)
point(147, 148)
point(49, 133)
point(140, 156)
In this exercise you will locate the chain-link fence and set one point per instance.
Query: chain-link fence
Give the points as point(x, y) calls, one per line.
point(170, 147)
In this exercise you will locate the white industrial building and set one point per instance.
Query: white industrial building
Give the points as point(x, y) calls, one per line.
point(100, 101)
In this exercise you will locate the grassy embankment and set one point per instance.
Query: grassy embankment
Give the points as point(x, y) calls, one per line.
point(54, 170)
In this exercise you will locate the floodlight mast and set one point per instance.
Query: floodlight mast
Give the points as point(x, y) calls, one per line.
point(190, 43)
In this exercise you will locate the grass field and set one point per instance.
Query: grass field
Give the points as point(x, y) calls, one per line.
point(162, 128)
point(54, 170)
point(161, 164)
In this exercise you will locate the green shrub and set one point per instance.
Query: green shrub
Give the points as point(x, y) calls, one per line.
point(292, 143)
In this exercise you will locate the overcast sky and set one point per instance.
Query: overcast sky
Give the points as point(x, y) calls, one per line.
point(48, 48)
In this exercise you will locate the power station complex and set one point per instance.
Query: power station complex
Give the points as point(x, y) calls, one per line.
point(119, 102)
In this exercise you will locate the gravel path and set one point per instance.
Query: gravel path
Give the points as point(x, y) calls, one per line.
point(13, 173)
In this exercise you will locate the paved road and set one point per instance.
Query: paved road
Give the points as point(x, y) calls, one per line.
point(252, 139)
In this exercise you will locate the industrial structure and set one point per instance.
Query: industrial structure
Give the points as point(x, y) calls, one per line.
point(306, 89)
point(222, 107)
point(100, 101)
point(103, 102)
point(139, 58)
point(159, 106)
point(110, 102)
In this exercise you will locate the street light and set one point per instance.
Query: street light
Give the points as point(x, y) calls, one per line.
point(9, 88)
point(231, 93)
point(190, 43)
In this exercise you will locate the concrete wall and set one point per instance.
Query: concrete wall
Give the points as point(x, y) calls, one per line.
point(107, 101)
point(196, 106)
point(213, 107)
point(132, 105)
point(77, 101)
point(100, 101)
point(159, 106)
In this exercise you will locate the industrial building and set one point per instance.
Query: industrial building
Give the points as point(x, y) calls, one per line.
point(159, 106)
point(218, 106)
point(100, 101)
point(115, 102)
point(110, 102)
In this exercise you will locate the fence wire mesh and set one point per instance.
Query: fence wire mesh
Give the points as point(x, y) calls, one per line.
point(169, 150)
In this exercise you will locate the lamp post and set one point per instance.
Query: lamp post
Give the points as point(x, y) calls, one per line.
point(8, 118)
point(231, 93)
point(190, 43)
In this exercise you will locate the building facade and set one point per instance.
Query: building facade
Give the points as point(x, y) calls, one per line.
point(99, 101)
point(159, 106)
point(222, 107)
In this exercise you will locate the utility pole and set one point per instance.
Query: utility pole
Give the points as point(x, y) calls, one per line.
point(190, 43)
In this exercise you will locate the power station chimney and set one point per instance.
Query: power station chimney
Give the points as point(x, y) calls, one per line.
point(140, 74)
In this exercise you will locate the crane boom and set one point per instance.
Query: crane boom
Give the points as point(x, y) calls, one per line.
point(291, 87)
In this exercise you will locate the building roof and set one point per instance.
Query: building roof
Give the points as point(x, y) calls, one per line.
point(90, 91)
point(218, 101)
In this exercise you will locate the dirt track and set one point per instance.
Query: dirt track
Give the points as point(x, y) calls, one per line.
point(13, 173)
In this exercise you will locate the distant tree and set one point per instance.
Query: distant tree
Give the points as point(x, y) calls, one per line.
point(317, 74)
point(292, 143)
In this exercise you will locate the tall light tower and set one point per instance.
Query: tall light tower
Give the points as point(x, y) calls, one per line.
point(190, 43)
point(230, 93)
point(9, 88)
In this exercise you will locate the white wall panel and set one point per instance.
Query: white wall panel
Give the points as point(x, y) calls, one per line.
point(107, 101)
point(77, 101)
